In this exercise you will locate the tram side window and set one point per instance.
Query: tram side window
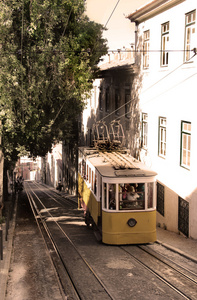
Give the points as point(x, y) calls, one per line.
point(150, 187)
point(87, 173)
point(132, 196)
point(105, 195)
point(95, 184)
point(112, 196)
point(84, 169)
point(92, 182)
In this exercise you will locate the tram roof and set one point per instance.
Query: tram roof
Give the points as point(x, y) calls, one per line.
point(116, 164)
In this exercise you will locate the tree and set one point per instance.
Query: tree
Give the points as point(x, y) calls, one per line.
point(49, 56)
point(49, 51)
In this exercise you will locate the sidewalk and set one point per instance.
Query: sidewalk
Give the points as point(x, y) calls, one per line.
point(178, 243)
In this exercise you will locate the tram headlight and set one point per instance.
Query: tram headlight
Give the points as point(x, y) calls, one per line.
point(132, 222)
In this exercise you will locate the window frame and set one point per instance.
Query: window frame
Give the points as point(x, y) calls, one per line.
point(160, 199)
point(146, 48)
point(162, 141)
point(144, 137)
point(187, 133)
point(165, 33)
point(149, 196)
point(189, 25)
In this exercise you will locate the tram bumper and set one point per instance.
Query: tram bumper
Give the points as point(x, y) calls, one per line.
point(116, 230)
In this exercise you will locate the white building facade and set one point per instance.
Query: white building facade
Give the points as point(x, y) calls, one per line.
point(52, 166)
point(166, 45)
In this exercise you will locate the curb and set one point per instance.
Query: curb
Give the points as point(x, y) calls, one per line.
point(194, 259)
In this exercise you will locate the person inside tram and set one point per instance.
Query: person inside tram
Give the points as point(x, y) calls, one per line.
point(132, 195)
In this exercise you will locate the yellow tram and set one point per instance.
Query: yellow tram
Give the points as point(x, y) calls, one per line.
point(117, 193)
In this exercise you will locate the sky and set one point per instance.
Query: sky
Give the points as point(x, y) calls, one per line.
point(120, 31)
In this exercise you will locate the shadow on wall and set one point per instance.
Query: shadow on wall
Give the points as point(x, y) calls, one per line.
point(118, 99)
point(193, 213)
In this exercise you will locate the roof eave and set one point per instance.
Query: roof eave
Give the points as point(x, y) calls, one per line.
point(151, 9)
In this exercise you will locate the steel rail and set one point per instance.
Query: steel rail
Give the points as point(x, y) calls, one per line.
point(34, 211)
point(73, 245)
point(151, 252)
point(172, 286)
point(52, 191)
point(54, 246)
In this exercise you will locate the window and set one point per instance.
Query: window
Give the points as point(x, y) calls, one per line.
point(127, 103)
point(95, 185)
point(162, 137)
point(160, 198)
point(164, 44)
point(112, 196)
point(190, 37)
point(185, 144)
point(89, 177)
point(117, 101)
point(132, 196)
point(87, 172)
point(107, 99)
point(183, 216)
point(105, 195)
point(146, 49)
point(144, 130)
point(92, 182)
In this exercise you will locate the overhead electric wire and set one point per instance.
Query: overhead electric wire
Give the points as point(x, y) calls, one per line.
point(53, 121)
point(111, 13)
point(40, 51)
point(114, 111)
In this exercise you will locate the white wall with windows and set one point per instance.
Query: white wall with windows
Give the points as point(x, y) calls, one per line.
point(167, 43)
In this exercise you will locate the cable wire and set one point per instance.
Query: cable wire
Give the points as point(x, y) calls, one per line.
point(111, 13)
point(114, 111)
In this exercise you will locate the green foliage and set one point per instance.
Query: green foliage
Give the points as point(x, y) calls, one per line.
point(49, 52)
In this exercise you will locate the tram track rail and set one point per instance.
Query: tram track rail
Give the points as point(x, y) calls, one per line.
point(67, 286)
point(174, 276)
point(177, 277)
point(171, 263)
point(55, 195)
point(99, 291)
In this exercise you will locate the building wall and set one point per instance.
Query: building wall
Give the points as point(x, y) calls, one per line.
point(52, 166)
point(170, 219)
point(169, 91)
point(159, 91)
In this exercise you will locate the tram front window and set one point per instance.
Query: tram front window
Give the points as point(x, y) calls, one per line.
point(112, 196)
point(105, 195)
point(132, 196)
